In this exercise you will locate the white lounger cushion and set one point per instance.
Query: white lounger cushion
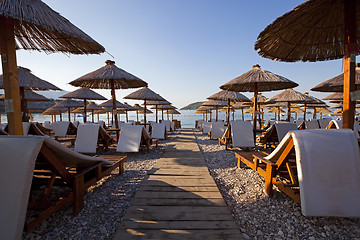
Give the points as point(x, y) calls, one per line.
point(282, 128)
point(324, 122)
point(26, 127)
point(217, 130)
point(60, 128)
point(158, 130)
point(168, 125)
point(242, 134)
point(129, 138)
point(87, 138)
point(206, 127)
point(312, 124)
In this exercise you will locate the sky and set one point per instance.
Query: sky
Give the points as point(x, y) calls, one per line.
point(184, 49)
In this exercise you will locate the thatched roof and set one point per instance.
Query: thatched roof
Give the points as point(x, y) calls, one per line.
point(109, 104)
point(93, 106)
point(275, 110)
point(239, 105)
point(163, 107)
point(296, 110)
point(225, 109)
point(321, 110)
point(144, 93)
point(312, 31)
point(129, 107)
point(78, 110)
point(38, 27)
point(207, 108)
point(214, 103)
point(83, 93)
point(30, 96)
point(334, 96)
point(336, 84)
point(153, 102)
point(53, 110)
point(28, 80)
point(102, 78)
point(338, 105)
point(138, 107)
point(172, 111)
point(68, 103)
point(290, 95)
point(233, 96)
point(142, 111)
point(266, 81)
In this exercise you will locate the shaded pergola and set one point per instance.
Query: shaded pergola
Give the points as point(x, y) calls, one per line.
point(32, 25)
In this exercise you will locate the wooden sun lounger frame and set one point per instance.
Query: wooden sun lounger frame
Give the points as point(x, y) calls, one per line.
point(51, 170)
point(226, 138)
point(269, 138)
point(281, 173)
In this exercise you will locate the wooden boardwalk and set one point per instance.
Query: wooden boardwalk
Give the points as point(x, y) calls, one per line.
point(179, 200)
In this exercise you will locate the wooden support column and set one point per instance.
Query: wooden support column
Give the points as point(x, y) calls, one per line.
point(145, 112)
point(351, 49)
point(69, 112)
point(255, 109)
point(10, 76)
point(228, 112)
point(84, 111)
point(113, 96)
point(288, 112)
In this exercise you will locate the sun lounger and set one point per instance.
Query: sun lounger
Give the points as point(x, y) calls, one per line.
point(206, 127)
point(44, 130)
point(130, 138)
point(3, 126)
point(158, 131)
point(335, 124)
point(276, 133)
point(47, 124)
point(43, 162)
point(167, 125)
point(217, 130)
point(324, 122)
point(87, 138)
point(319, 168)
point(312, 124)
point(60, 128)
point(238, 134)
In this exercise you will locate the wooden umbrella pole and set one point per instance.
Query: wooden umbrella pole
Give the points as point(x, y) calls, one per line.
point(127, 117)
point(279, 113)
point(216, 113)
point(349, 63)
point(242, 113)
point(69, 114)
point(288, 112)
point(107, 113)
point(10, 76)
point(305, 112)
point(156, 112)
point(255, 108)
point(162, 114)
point(23, 104)
point(137, 115)
point(92, 115)
point(60, 116)
point(84, 117)
point(145, 111)
point(113, 96)
point(228, 112)
point(74, 117)
point(233, 115)
point(314, 115)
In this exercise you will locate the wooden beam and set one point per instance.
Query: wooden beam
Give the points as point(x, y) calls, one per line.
point(10, 76)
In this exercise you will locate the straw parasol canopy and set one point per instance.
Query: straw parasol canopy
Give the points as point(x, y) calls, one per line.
point(242, 106)
point(157, 103)
point(291, 96)
point(228, 96)
point(216, 104)
point(258, 80)
point(334, 96)
point(109, 104)
point(84, 94)
point(145, 94)
point(78, 110)
point(53, 111)
point(127, 109)
point(317, 30)
point(32, 25)
point(275, 110)
point(68, 103)
point(31, 96)
point(92, 107)
point(147, 111)
point(109, 77)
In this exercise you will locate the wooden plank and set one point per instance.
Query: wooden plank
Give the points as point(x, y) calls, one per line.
point(178, 172)
point(180, 178)
point(143, 224)
point(178, 189)
point(178, 202)
point(180, 213)
point(172, 234)
point(184, 194)
point(179, 183)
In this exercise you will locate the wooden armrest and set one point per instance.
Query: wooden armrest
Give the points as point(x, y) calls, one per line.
point(264, 160)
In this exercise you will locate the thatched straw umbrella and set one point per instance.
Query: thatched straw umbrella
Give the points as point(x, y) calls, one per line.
point(68, 103)
point(35, 26)
point(53, 111)
point(261, 101)
point(229, 96)
point(338, 105)
point(77, 110)
point(337, 96)
point(128, 108)
point(92, 107)
point(156, 104)
point(241, 106)
point(145, 94)
point(147, 111)
point(206, 110)
point(258, 80)
point(138, 108)
point(162, 108)
point(320, 110)
point(109, 104)
point(216, 104)
point(84, 94)
point(172, 112)
point(109, 77)
point(317, 30)
point(28, 81)
point(291, 96)
point(275, 110)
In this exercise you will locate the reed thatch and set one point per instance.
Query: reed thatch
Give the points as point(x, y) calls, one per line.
point(215, 103)
point(250, 110)
point(138, 107)
point(78, 110)
point(93, 106)
point(296, 110)
point(109, 104)
point(275, 110)
point(292, 96)
point(68, 103)
point(265, 80)
point(38, 27)
point(145, 93)
point(312, 31)
point(172, 111)
point(84, 93)
point(224, 109)
point(207, 108)
point(240, 105)
point(233, 96)
point(103, 77)
point(334, 96)
point(336, 84)
point(321, 110)
point(31, 96)
point(338, 105)
point(153, 102)
point(129, 107)
point(163, 107)
point(142, 111)
point(54, 110)
point(27, 80)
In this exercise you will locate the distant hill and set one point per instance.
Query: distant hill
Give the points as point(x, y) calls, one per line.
point(192, 106)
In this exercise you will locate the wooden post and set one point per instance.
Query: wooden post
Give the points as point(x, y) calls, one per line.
point(228, 112)
point(304, 111)
point(92, 115)
point(255, 109)
point(113, 96)
point(351, 48)
point(10, 76)
point(69, 114)
point(216, 116)
point(23, 103)
point(288, 112)
point(60, 116)
point(84, 117)
point(242, 113)
point(156, 112)
point(145, 111)
point(126, 115)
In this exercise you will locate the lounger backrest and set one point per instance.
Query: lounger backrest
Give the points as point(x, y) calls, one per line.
point(337, 124)
point(168, 125)
point(312, 124)
point(60, 128)
point(217, 130)
point(283, 128)
point(87, 138)
point(18, 154)
point(130, 138)
point(76, 123)
point(324, 122)
point(299, 122)
point(3, 126)
point(242, 134)
point(26, 127)
point(206, 127)
point(47, 124)
point(172, 124)
point(328, 169)
point(158, 130)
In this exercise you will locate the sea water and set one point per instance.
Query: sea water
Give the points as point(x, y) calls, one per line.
point(187, 117)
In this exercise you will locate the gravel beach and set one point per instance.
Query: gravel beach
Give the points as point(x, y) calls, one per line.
point(257, 216)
